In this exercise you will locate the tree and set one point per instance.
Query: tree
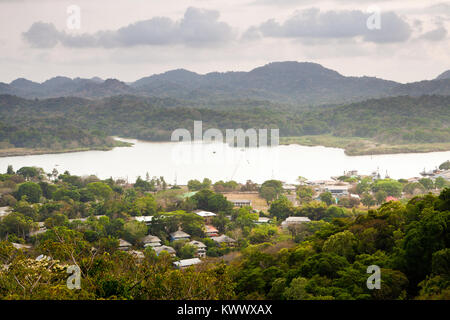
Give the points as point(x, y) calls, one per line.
point(367, 200)
point(100, 190)
point(342, 244)
point(297, 289)
point(271, 189)
point(187, 251)
point(145, 206)
point(10, 170)
point(144, 185)
point(305, 193)
point(445, 165)
point(380, 196)
point(281, 208)
point(29, 172)
point(194, 185)
point(134, 230)
point(440, 183)
point(427, 183)
point(363, 186)
point(268, 193)
point(414, 188)
point(391, 187)
point(31, 190)
point(327, 197)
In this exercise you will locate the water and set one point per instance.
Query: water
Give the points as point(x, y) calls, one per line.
point(181, 162)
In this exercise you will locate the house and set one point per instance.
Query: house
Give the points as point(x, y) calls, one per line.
point(139, 255)
point(151, 241)
point(186, 263)
point(42, 229)
point(179, 235)
point(206, 215)
point(291, 221)
point(124, 245)
point(262, 220)
point(337, 190)
point(4, 211)
point(210, 231)
point(168, 249)
point(21, 246)
point(201, 248)
point(289, 187)
point(390, 198)
point(241, 203)
point(146, 219)
point(223, 239)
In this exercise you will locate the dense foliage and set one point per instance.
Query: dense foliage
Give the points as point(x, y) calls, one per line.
point(326, 258)
point(71, 122)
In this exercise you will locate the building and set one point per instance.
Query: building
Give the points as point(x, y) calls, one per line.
point(21, 246)
point(124, 245)
point(292, 221)
point(139, 255)
point(223, 239)
point(179, 235)
point(210, 231)
point(262, 220)
point(4, 211)
point(168, 249)
point(146, 219)
point(186, 263)
point(206, 215)
point(241, 203)
point(201, 248)
point(337, 191)
point(151, 241)
point(289, 187)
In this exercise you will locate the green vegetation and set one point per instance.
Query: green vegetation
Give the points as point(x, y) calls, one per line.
point(389, 125)
point(327, 258)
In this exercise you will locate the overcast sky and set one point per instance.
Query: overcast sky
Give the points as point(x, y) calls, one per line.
point(130, 39)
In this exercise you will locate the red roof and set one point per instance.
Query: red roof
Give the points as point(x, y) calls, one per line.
point(390, 198)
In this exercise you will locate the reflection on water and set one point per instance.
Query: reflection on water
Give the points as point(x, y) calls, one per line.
point(185, 161)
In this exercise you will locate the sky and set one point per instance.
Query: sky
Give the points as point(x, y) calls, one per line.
point(400, 40)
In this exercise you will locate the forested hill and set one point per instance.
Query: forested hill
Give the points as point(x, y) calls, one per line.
point(300, 84)
point(399, 120)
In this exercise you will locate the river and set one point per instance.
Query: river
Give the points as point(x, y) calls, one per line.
point(181, 162)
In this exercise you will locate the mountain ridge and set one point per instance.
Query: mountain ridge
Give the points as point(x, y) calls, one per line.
point(297, 83)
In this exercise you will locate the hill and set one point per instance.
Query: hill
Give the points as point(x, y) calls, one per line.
point(409, 123)
point(298, 84)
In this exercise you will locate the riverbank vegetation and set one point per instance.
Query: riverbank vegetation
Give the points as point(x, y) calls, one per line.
point(389, 125)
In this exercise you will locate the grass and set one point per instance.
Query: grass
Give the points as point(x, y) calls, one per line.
point(355, 146)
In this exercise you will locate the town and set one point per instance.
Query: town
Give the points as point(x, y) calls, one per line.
point(186, 226)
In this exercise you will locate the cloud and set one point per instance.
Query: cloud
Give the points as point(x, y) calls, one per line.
point(315, 24)
point(198, 27)
point(438, 34)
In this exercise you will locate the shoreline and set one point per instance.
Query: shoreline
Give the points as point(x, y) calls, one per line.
point(355, 146)
point(352, 146)
point(18, 152)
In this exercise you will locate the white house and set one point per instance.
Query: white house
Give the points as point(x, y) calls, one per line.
point(151, 241)
point(187, 263)
point(201, 248)
point(124, 245)
point(224, 239)
point(168, 249)
point(146, 219)
point(179, 235)
point(294, 221)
